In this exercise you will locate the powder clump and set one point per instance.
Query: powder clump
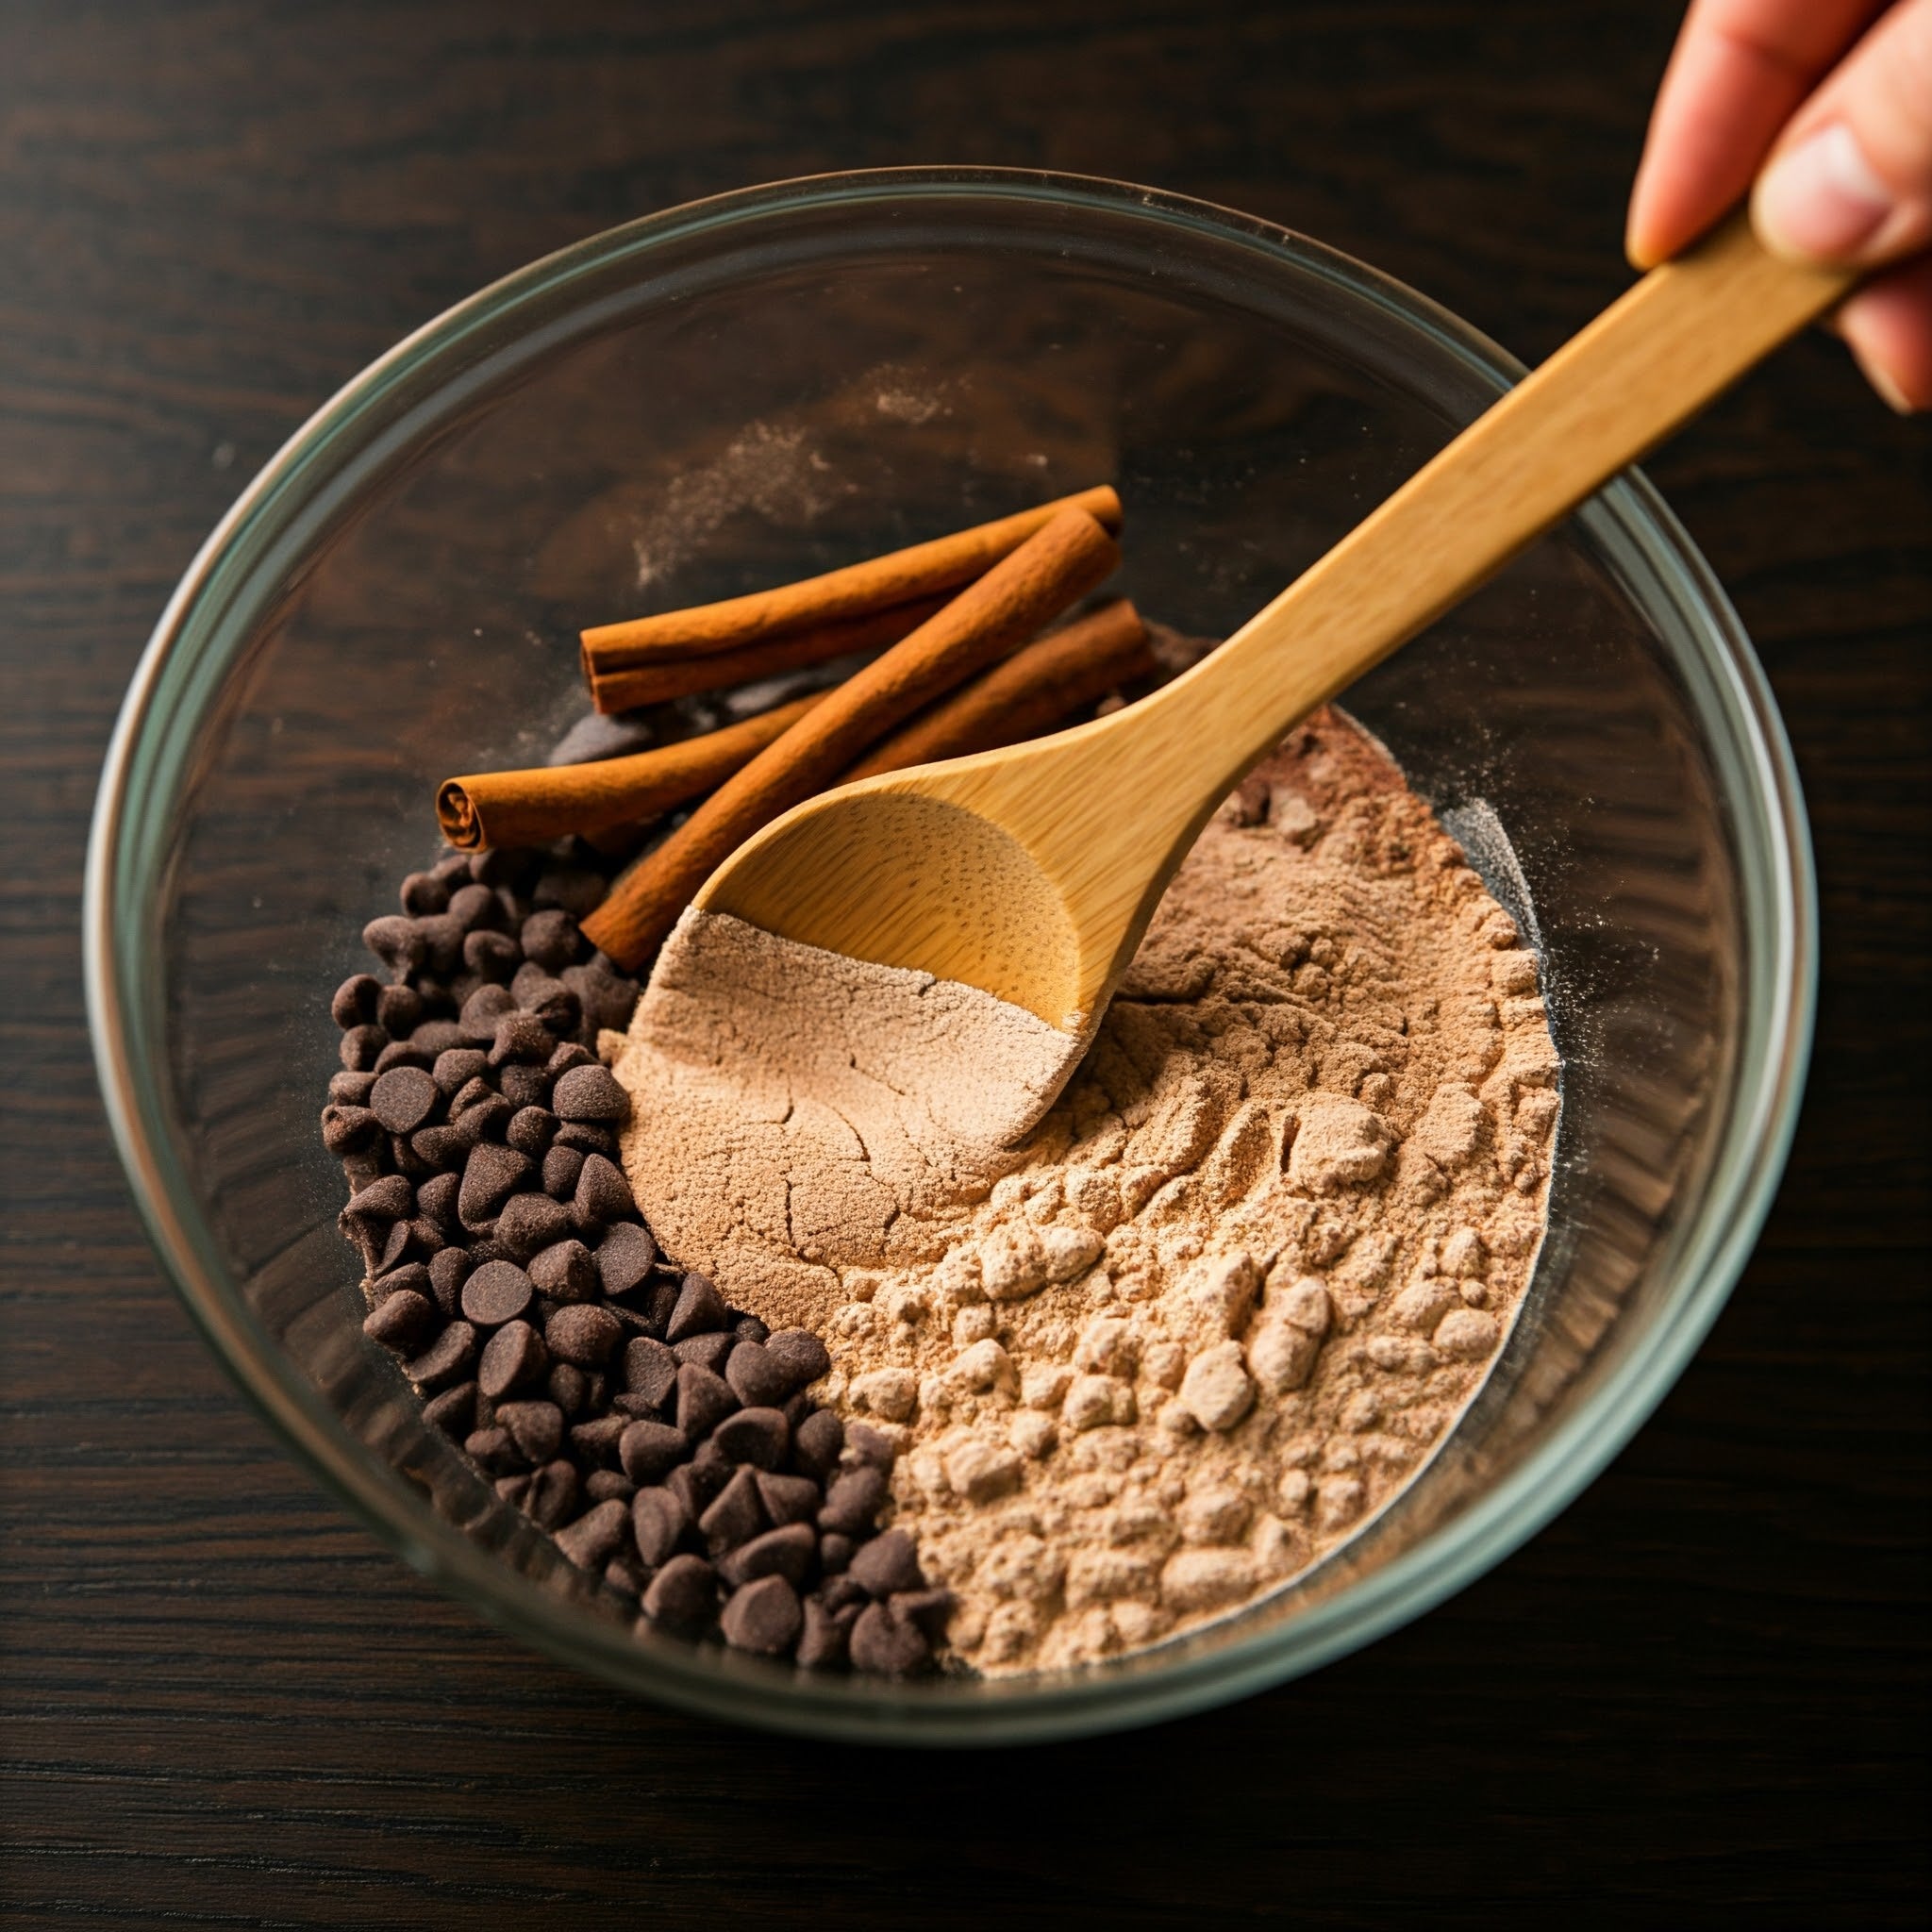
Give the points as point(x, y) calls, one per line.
point(1224, 1301)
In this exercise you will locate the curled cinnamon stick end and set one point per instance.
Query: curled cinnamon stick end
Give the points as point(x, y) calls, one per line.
point(1031, 692)
point(658, 676)
point(552, 801)
point(901, 576)
point(986, 621)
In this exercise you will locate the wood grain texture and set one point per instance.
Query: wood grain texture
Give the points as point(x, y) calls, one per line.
point(1702, 1690)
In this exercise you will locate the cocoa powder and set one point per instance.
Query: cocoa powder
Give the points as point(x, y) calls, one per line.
point(1227, 1298)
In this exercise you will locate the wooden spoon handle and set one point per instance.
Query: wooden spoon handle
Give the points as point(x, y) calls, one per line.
point(1648, 362)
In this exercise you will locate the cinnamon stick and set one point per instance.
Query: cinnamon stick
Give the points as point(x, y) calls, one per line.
point(656, 677)
point(986, 621)
point(859, 589)
point(550, 801)
point(1028, 693)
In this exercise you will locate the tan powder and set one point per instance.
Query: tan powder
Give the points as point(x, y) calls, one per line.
point(1224, 1303)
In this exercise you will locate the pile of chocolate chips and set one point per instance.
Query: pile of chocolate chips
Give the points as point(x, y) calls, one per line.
point(662, 1438)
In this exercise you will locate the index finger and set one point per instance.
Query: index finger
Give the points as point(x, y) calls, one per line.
point(1739, 70)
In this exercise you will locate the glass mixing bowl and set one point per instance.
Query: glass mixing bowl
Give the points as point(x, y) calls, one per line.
point(757, 387)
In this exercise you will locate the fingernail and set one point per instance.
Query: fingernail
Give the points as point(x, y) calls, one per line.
point(1821, 200)
point(1889, 392)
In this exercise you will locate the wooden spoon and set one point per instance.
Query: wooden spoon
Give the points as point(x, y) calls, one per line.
point(1032, 871)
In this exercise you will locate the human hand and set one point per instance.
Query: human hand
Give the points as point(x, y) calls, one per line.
point(1839, 94)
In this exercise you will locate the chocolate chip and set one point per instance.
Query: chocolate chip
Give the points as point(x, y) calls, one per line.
point(398, 1053)
point(456, 1067)
point(423, 892)
point(822, 1642)
point(888, 1644)
point(473, 905)
point(603, 1194)
point(358, 1048)
point(442, 942)
point(583, 1333)
point(704, 1400)
point(927, 1608)
point(411, 1275)
point(853, 1500)
point(435, 1038)
point(535, 1426)
point(353, 1004)
point(531, 1128)
point(607, 998)
point(735, 1516)
point(756, 1379)
point(609, 1485)
point(593, 1539)
point(598, 1439)
point(568, 1055)
point(350, 1090)
point(749, 1328)
point(531, 1221)
point(817, 1441)
point(695, 1488)
point(519, 1036)
point(626, 1578)
point(563, 1269)
point(625, 1259)
point(568, 1385)
point(587, 1139)
point(864, 1444)
point(446, 1149)
point(388, 1199)
point(514, 1358)
point(649, 1450)
point(888, 1563)
point(553, 1493)
point(346, 1128)
point(591, 1094)
point(802, 1355)
point(550, 939)
point(658, 1520)
point(437, 1198)
point(490, 1176)
point(785, 1553)
point(402, 1322)
point(455, 1411)
point(764, 1617)
point(706, 1351)
point(396, 942)
point(757, 1436)
point(700, 1311)
point(492, 957)
point(513, 1489)
point(498, 1291)
point(482, 1011)
point(562, 1169)
point(398, 1008)
point(447, 1358)
point(789, 1498)
point(491, 1447)
point(399, 1243)
point(448, 1271)
point(574, 887)
point(835, 1553)
point(403, 1099)
point(684, 1593)
point(480, 1116)
point(650, 1370)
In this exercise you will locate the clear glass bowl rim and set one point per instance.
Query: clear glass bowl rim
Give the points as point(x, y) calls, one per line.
point(178, 673)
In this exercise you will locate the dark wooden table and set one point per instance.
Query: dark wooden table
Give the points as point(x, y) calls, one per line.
point(1703, 1687)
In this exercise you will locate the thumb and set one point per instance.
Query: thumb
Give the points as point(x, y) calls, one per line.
point(1851, 178)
